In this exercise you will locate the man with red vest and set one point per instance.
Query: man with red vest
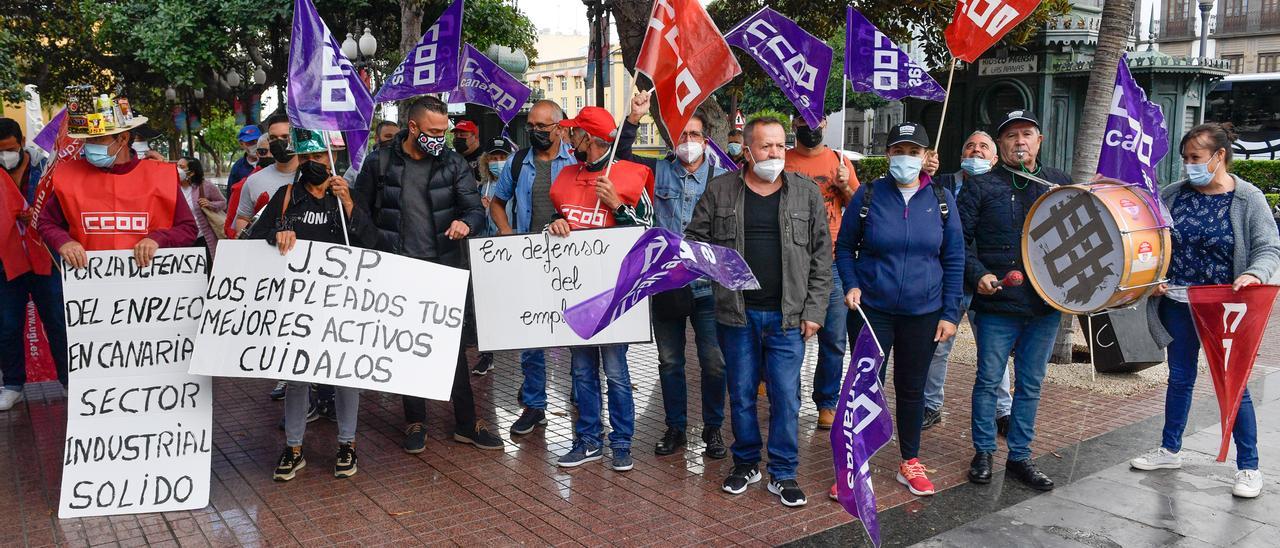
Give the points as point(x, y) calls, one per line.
point(110, 199)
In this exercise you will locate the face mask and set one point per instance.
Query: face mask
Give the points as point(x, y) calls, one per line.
point(769, 170)
point(460, 145)
point(495, 168)
point(734, 149)
point(10, 158)
point(809, 137)
point(141, 147)
point(1199, 174)
point(99, 155)
point(182, 174)
point(975, 166)
point(313, 173)
point(433, 146)
point(540, 140)
point(905, 169)
point(280, 149)
point(689, 152)
point(265, 161)
point(580, 155)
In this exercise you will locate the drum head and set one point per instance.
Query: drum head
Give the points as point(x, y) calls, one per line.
point(1073, 250)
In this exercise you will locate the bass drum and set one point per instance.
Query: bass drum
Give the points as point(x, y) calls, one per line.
point(1089, 248)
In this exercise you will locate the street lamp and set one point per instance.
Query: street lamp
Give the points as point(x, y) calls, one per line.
point(170, 95)
point(361, 53)
point(260, 76)
point(233, 79)
point(1205, 6)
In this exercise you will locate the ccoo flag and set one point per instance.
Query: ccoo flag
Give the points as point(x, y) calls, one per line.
point(797, 61)
point(874, 64)
point(486, 84)
point(862, 427)
point(432, 66)
point(325, 93)
point(686, 58)
point(979, 24)
point(1136, 138)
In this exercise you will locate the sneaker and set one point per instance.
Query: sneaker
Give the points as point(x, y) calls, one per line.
point(1002, 426)
point(931, 417)
point(345, 465)
point(912, 474)
point(1248, 484)
point(313, 411)
point(9, 398)
point(1156, 460)
point(290, 462)
point(480, 436)
point(579, 455)
point(741, 476)
point(788, 492)
point(484, 365)
point(529, 419)
point(832, 494)
point(622, 460)
point(415, 439)
point(277, 393)
point(716, 448)
point(826, 417)
point(327, 408)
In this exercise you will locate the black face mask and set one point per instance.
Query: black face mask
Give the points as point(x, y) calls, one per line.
point(808, 136)
point(280, 149)
point(540, 140)
point(265, 161)
point(460, 145)
point(313, 173)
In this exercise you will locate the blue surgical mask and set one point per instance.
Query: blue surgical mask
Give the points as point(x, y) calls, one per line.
point(734, 149)
point(905, 169)
point(99, 155)
point(1199, 174)
point(975, 166)
point(495, 168)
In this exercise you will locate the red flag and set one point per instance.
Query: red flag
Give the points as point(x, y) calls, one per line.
point(1230, 325)
point(64, 147)
point(21, 250)
point(979, 24)
point(686, 57)
point(39, 358)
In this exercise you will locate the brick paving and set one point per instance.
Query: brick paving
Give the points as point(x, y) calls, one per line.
point(454, 494)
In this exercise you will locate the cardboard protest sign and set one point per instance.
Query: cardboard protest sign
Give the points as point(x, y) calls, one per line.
point(139, 426)
point(332, 314)
point(528, 280)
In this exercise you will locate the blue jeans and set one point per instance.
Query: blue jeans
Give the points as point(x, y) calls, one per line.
point(669, 335)
point(762, 349)
point(1184, 354)
point(533, 391)
point(586, 362)
point(832, 338)
point(46, 292)
point(934, 389)
point(1031, 338)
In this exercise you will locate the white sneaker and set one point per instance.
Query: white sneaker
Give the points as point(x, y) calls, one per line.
point(1158, 459)
point(1248, 484)
point(9, 398)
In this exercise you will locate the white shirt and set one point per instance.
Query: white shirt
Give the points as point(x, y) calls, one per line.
point(908, 192)
point(266, 181)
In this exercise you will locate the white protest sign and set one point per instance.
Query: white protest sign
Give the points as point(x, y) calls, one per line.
point(525, 282)
point(332, 314)
point(139, 426)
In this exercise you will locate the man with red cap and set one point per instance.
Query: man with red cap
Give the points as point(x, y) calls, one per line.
point(466, 140)
point(591, 194)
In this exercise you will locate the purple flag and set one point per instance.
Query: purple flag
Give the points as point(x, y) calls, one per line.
point(486, 84)
point(325, 93)
point(719, 157)
point(659, 261)
point(876, 65)
point(797, 61)
point(1136, 138)
point(357, 146)
point(432, 66)
point(862, 427)
point(48, 136)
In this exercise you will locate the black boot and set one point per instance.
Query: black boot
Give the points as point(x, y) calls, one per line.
point(980, 468)
point(1027, 473)
point(715, 443)
point(672, 441)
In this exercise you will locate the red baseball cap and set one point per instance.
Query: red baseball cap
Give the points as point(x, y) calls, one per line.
point(466, 125)
point(596, 121)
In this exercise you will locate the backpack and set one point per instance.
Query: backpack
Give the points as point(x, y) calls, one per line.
point(943, 209)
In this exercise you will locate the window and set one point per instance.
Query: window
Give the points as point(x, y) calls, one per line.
point(1268, 62)
point(578, 100)
point(564, 85)
point(1236, 63)
point(577, 82)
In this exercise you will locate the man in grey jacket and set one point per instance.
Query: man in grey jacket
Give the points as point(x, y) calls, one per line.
point(777, 221)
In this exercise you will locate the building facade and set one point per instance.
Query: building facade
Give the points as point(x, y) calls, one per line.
point(1245, 33)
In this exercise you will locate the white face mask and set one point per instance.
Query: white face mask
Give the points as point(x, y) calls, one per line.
point(10, 158)
point(689, 152)
point(141, 147)
point(182, 174)
point(769, 170)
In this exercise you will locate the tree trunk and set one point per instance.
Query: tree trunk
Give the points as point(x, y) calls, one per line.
point(1113, 35)
point(410, 33)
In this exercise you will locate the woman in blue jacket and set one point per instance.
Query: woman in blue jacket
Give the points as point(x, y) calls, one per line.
point(901, 258)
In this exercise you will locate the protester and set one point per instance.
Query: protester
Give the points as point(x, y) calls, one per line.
point(734, 146)
point(1222, 234)
point(976, 156)
point(202, 197)
point(385, 132)
point(234, 188)
point(23, 168)
point(423, 200)
point(308, 209)
point(762, 332)
point(466, 140)
point(837, 181)
point(248, 141)
point(680, 179)
point(141, 145)
point(595, 194)
point(1007, 320)
point(490, 167)
point(525, 183)
point(262, 185)
point(900, 253)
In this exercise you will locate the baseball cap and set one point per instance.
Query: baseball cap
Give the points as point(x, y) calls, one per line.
point(908, 132)
point(466, 125)
point(1017, 116)
point(498, 145)
point(249, 133)
point(596, 121)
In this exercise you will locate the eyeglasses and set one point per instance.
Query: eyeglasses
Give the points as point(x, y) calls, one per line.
point(263, 151)
point(540, 127)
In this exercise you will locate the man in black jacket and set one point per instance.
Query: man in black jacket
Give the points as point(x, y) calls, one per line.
point(423, 200)
point(1009, 319)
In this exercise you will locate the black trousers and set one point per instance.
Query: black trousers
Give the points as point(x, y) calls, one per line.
point(464, 404)
point(910, 338)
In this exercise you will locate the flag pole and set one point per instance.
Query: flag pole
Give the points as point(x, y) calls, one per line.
point(844, 110)
point(937, 139)
point(613, 149)
point(867, 323)
point(342, 214)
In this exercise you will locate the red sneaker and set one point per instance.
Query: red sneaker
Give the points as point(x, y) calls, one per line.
point(911, 474)
point(832, 494)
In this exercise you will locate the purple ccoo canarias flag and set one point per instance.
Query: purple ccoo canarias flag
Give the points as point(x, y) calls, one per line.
point(797, 61)
point(325, 93)
point(862, 427)
point(660, 260)
point(48, 136)
point(719, 157)
point(432, 66)
point(874, 64)
point(486, 84)
point(1136, 138)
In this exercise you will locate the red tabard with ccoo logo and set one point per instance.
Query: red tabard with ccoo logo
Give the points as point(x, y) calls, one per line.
point(573, 193)
point(106, 211)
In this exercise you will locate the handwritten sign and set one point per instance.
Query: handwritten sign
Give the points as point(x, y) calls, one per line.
point(525, 282)
point(332, 314)
point(138, 424)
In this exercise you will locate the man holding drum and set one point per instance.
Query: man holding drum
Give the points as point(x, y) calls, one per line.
point(1008, 320)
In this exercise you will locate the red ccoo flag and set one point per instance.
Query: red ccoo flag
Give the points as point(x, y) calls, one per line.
point(1230, 325)
point(979, 24)
point(686, 57)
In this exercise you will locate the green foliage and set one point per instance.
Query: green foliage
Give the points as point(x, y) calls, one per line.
point(1272, 200)
point(220, 133)
point(771, 113)
point(871, 168)
point(10, 87)
point(1263, 173)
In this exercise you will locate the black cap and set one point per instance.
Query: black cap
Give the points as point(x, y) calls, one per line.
point(1017, 116)
point(145, 133)
point(499, 145)
point(908, 132)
